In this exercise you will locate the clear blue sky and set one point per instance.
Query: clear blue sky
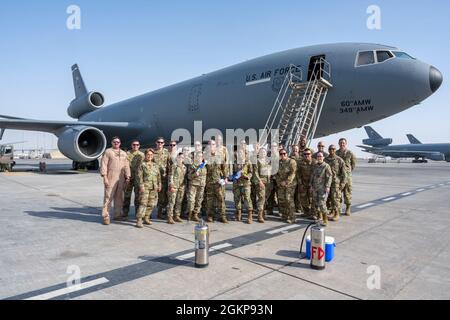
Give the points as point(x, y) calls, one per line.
point(125, 48)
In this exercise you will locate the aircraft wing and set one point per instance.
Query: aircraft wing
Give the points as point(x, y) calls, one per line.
point(54, 126)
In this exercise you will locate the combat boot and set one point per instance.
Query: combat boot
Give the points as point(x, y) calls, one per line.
point(195, 217)
point(160, 214)
point(223, 219)
point(147, 221)
point(335, 216)
point(250, 217)
point(261, 216)
point(170, 220)
point(347, 211)
point(210, 220)
point(177, 218)
point(139, 223)
point(106, 221)
point(324, 219)
point(238, 215)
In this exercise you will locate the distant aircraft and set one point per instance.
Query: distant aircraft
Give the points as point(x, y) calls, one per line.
point(417, 150)
point(369, 82)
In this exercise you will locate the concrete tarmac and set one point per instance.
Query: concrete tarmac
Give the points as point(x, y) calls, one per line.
point(396, 245)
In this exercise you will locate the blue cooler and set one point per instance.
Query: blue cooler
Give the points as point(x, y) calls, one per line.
point(329, 248)
point(308, 247)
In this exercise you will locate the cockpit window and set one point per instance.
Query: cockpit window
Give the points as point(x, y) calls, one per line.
point(384, 55)
point(365, 58)
point(402, 55)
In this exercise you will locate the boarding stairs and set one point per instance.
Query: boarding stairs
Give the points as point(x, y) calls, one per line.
point(298, 106)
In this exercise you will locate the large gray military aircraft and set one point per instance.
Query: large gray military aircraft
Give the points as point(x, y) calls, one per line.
point(370, 82)
point(377, 145)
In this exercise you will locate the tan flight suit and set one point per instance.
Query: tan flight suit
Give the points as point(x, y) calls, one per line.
point(116, 168)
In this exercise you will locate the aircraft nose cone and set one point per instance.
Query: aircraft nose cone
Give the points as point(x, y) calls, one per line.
point(435, 79)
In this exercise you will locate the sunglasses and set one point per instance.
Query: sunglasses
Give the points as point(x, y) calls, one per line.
point(173, 145)
point(116, 142)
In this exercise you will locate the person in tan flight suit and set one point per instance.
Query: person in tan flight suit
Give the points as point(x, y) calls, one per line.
point(115, 170)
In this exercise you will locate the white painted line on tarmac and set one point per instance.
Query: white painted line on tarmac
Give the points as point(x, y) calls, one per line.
point(186, 256)
point(365, 205)
point(221, 246)
point(70, 289)
point(282, 229)
point(406, 194)
point(192, 254)
point(390, 199)
point(420, 190)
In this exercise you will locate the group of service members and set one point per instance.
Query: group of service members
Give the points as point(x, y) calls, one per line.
point(314, 183)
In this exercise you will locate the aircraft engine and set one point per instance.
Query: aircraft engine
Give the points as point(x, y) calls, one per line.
point(377, 142)
point(85, 104)
point(81, 143)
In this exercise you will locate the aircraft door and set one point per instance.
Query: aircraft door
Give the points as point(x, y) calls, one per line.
point(312, 62)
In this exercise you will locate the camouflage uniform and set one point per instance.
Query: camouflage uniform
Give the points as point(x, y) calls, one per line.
point(286, 174)
point(350, 163)
point(149, 177)
point(261, 173)
point(304, 172)
point(242, 188)
point(337, 166)
point(196, 189)
point(216, 170)
point(161, 158)
point(135, 159)
point(296, 193)
point(272, 198)
point(253, 193)
point(177, 180)
point(321, 181)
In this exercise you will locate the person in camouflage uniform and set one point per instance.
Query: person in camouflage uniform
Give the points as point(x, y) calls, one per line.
point(304, 171)
point(296, 156)
point(216, 173)
point(350, 164)
point(272, 199)
point(242, 174)
point(303, 147)
point(176, 183)
point(161, 158)
point(320, 187)
point(321, 148)
point(253, 160)
point(197, 182)
point(261, 181)
point(285, 179)
point(135, 158)
point(149, 178)
point(337, 166)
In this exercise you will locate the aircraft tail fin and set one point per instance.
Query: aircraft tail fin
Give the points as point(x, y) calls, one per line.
point(372, 133)
point(78, 83)
point(412, 139)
